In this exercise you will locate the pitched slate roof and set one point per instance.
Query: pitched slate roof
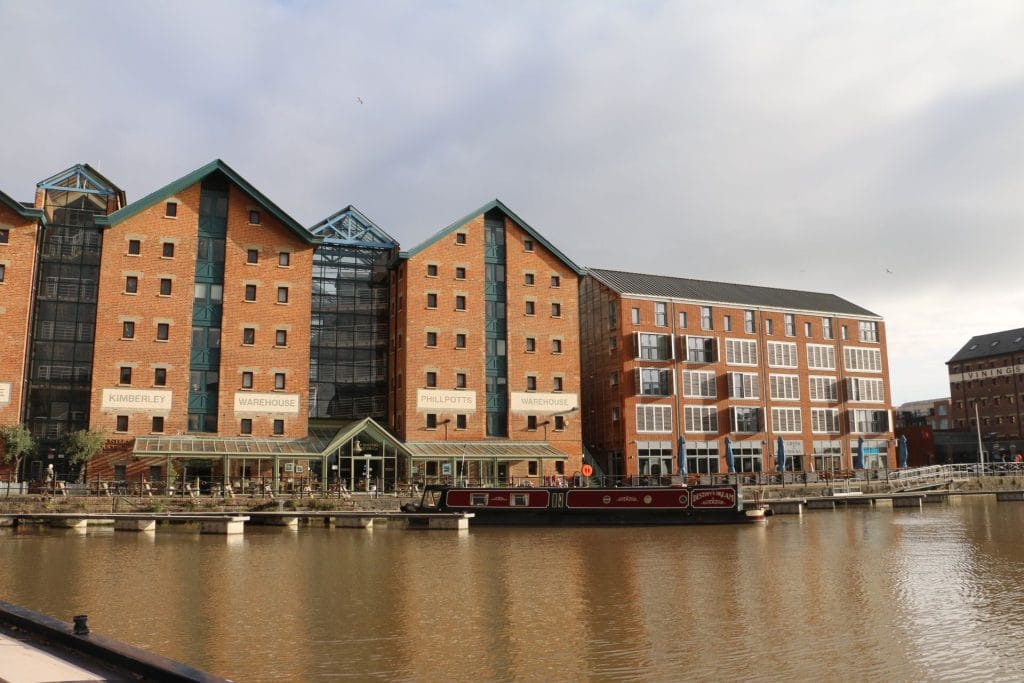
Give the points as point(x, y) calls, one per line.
point(194, 177)
point(494, 204)
point(639, 284)
point(992, 344)
point(21, 209)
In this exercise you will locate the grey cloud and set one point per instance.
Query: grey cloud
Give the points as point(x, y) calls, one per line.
point(807, 144)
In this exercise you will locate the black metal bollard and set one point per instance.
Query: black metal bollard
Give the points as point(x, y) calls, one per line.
point(81, 625)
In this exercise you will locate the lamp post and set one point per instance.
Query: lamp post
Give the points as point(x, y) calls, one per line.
point(981, 452)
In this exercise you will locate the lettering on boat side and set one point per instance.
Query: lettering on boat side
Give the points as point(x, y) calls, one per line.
point(652, 499)
point(713, 498)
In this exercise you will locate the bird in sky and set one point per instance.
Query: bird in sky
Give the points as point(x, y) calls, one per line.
point(359, 100)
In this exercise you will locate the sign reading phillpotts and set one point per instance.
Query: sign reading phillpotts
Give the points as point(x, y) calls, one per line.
point(278, 404)
point(5, 393)
point(442, 401)
point(542, 404)
point(141, 400)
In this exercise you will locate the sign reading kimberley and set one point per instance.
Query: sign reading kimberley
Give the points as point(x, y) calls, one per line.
point(542, 404)
point(149, 400)
point(442, 400)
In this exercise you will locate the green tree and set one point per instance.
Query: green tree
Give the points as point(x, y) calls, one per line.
point(80, 447)
point(17, 442)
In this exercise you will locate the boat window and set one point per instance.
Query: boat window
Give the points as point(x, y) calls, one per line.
point(520, 499)
point(478, 499)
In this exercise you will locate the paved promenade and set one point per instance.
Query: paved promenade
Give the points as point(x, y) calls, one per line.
point(21, 662)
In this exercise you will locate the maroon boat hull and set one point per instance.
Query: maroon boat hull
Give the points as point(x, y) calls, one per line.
point(595, 506)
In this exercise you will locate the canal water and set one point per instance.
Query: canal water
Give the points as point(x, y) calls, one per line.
point(863, 594)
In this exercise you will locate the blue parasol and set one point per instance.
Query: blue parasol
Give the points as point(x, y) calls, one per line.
point(858, 462)
point(780, 455)
point(903, 452)
point(730, 461)
point(682, 455)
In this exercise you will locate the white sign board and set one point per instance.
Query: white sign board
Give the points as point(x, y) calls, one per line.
point(5, 392)
point(138, 400)
point(533, 403)
point(442, 401)
point(262, 404)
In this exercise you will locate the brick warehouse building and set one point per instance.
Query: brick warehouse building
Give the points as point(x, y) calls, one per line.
point(485, 354)
point(19, 234)
point(986, 383)
point(208, 334)
point(178, 325)
point(665, 357)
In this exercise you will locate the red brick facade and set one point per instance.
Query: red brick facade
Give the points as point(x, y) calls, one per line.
point(698, 389)
point(18, 243)
point(427, 287)
point(148, 309)
point(986, 383)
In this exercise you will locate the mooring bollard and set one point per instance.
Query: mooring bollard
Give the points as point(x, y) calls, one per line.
point(81, 625)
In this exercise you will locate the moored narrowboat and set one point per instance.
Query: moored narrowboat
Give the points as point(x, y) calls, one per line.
point(568, 506)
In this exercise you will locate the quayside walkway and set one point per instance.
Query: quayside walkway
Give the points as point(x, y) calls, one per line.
point(908, 488)
point(36, 648)
point(231, 523)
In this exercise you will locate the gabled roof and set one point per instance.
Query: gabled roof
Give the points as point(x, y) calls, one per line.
point(494, 204)
point(639, 284)
point(369, 426)
point(992, 344)
point(21, 209)
point(82, 178)
point(196, 176)
point(349, 226)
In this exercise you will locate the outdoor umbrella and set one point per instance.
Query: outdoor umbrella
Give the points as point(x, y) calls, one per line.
point(730, 463)
point(858, 462)
point(903, 452)
point(682, 456)
point(780, 455)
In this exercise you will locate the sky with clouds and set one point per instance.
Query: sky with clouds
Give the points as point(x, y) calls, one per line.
point(872, 149)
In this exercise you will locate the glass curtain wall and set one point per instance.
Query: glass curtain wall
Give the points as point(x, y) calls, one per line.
point(64, 314)
point(207, 306)
point(496, 351)
point(348, 363)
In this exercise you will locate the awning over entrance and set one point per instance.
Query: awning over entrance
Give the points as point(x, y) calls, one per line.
point(249, 447)
point(360, 454)
point(484, 450)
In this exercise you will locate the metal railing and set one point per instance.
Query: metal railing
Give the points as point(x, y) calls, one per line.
point(207, 487)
